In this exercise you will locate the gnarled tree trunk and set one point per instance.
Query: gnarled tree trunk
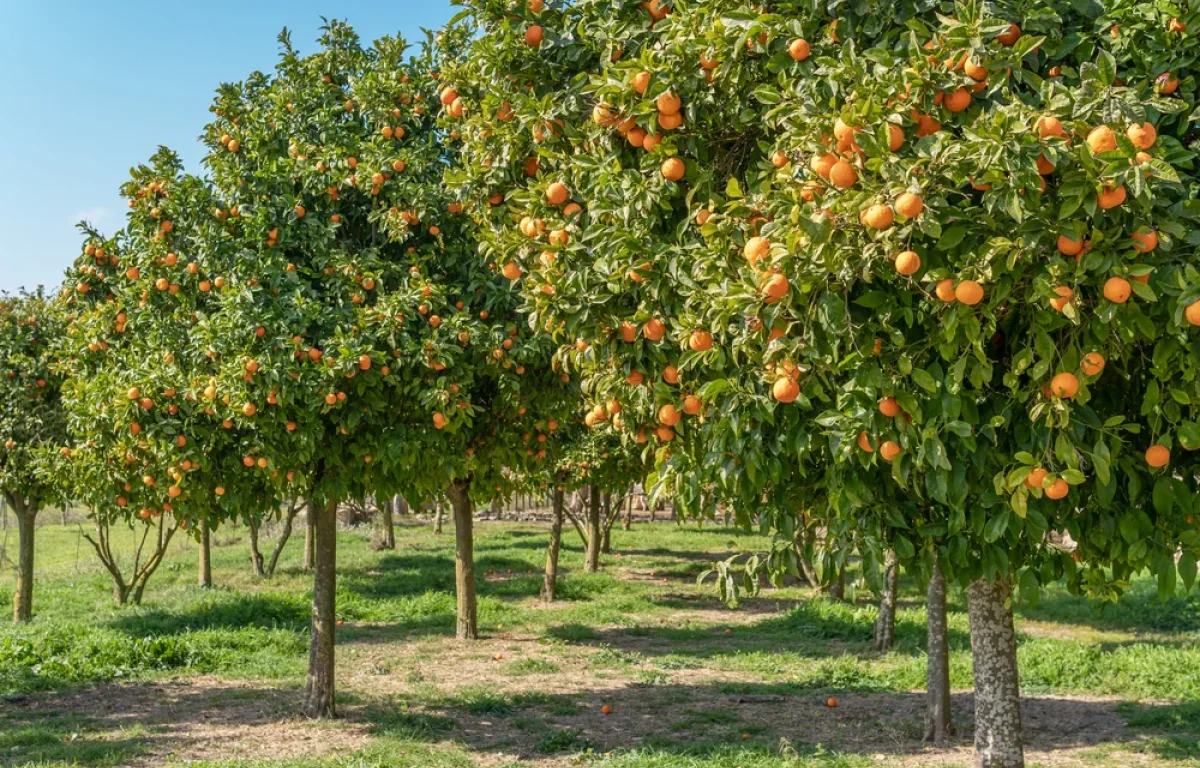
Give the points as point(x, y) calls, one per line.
point(998, 741)
point(938, 725)
point(204, 577)
point(319, 693)
point(550, 581)
point(885, 625)
point(592, 531)
point(26, 514)
point(459, 493)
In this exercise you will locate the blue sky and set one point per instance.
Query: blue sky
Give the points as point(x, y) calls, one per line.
point(93, 87)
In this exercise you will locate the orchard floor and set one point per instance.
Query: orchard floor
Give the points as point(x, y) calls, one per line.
point(214, 677)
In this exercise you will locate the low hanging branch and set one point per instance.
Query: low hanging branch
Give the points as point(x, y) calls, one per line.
point(256, 558)
point(131, 590)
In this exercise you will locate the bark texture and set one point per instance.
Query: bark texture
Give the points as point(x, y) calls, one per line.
point(592, 531)
point(885, 625)
point(319, 691)
point(938, 725)
point(998, 742)
point(310, 525)
point(550, 581)
point(26, 515)
point(464, 559)
point(204, 577)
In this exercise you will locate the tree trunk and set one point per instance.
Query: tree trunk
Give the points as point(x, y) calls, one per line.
point(256, 558)
point(606, 534)
point(23, 594)
point(938, 725)
point(592, 563)
point(459, 493)
point(387, 538)
point(998, 742)
point(437, 518)
point(284, 535)
point(627, 522)
point(885, 625)
point(550, 582)
point(309, 536)
point(319, 695)
point(837, 588)
point(205, 576)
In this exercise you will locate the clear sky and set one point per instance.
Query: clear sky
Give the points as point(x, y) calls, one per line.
point(93, 87)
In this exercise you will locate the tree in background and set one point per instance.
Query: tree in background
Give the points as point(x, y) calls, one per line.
point(33, 435)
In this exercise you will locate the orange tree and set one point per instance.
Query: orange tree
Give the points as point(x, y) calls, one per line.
point(956, 235)
point(33, 436)
point(157, 442)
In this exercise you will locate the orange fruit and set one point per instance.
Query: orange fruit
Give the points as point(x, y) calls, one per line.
point(895, 137)
point(700, 341)
point(831, 702)
point(1049, 126)
point(671, 374)
point(628, 333)
point(511, 270)
point(557, 194)
point(439, 420)
point(534, 36)
point(1069, 247)
point(907, 263)
point(1158, 456)
point(823, 164)
point(607, 710)
point(654, 329)
point(1142, 135)
point(1065, 295)
point(1101, 139)
point(1111, 197)
point(945, 291)
point(692, 405)
point(909, 205)
point(1058, 489)
point(668, 103)
point(785, 390)
point(775, 288)
point(1044, 166)
point(864, 442)
point(779, 158)
point(842, 175)
point(640, 82)
point(1092, 364)
point(1145, 242)
point(1009, 36)
point(799, 49)
point(1192, 313)
point(1064, 385)
point(889, 450)
point(1117, 290)
point(889, 407)
point(673, 169)
point(969, 292)
point(878, 217)
point(668, 415)
point(1034, 479)
point(958, 100)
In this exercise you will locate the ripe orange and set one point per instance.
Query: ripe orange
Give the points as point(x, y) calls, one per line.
point(640, 82)
point(831, 702)
point(779, 158)
point(673, 169)
point(1158, 456)
point(907, 263)
point(628, 333)
point(1092, 364)
point(1049, 126)
point(889, 450)
point(945, 291)
point(1009, 36)
point(668, 415)
point(1117, 290)
point(842, 175)
point(775, 288)
point(1142, 135)
point(1069, 247)
point(700, 341)
point(895, 137)
point(785, 390)
point(607, 710)
point(1192, 313)
point(671, 374)
point(1101, 139)
point(823, 164)
point(878, 217)
point(1111, 197)
point(969, 292)
point(1034, 479)
point(668, 103)
point(1065, 295)
point(534, 36)
point(511, 270)
point(909, 205)
point(557, 194)
point(889, 407)
point(439, 420)
point(958, 100)
point(864, 442)
point(692, 405)
point(654, 329)
point(799, 49)
point(1064, 385)
point(1144, 242)
point(1058, 489)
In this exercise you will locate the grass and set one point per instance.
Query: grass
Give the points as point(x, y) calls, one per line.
point(640, 636)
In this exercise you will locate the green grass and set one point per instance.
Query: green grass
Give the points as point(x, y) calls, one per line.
point(624, 635)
